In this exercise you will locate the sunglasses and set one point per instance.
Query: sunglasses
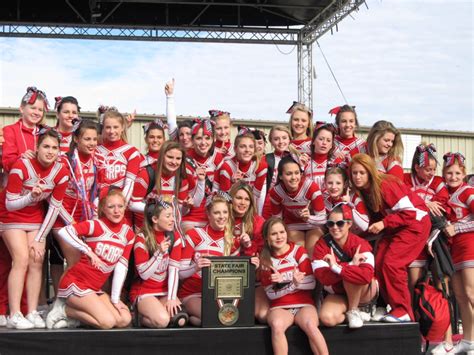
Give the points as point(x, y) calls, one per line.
point(340, 223)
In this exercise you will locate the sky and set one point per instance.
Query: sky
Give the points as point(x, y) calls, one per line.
point(406, 61)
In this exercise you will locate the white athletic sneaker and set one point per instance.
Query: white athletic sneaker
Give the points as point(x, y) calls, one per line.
point(35, 318)
point(70, 323)
point(3, 320)
point(365, 316)
point(379, 313)
point(464, 346)
point(17, 321)
point(443, 348)
point(57, 313)
point(390, 318)
point(354, 319)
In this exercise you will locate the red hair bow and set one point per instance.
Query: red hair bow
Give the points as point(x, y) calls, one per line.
point(217, 113)
point(32, 93)
point(206, 125)
point(452, 158)
point(424, 153)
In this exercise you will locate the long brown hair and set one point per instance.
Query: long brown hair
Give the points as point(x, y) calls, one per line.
point(377, 132)
point(247, 219)
point(180, 174)
point(152, 209)
point(266, 253)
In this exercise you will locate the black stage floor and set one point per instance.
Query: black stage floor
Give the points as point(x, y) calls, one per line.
point(372, 339)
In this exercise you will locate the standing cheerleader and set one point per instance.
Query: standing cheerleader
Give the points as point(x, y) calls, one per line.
point(202, 163)
point(67, 112)
point(157, 252)
point(78, 202)
point(184, 134)
point(347, 124)
point(461, 233)
point(322, 149)
point(385, 146)
point(301, 127)
point(215, 239)
point(288, 281)
point(121, 161)
point(105, 244)
point(300, 202)
point(247, 230)
point(344, 264)
point(244, 166)
point(222, 127)
point(25, 224)
point(403, 217)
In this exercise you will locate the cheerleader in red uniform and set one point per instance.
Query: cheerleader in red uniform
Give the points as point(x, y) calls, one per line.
point(169, 179)
point(300, 202)
point(244, 166)
point(223, 126)
point(105, 244)
point(346, 142)
point(288, 281)
point(247, 231)
point(157, 252)
point(67, 112)
point(301, 127)
point(403, 216)
point(202, 163)
point(461, 233)
point(78, 202)
point(121, 161)
point(25, 224)
point(322, 156)
point(385, 146)
point(337, 191)
point(348, 277)
point(215, 239)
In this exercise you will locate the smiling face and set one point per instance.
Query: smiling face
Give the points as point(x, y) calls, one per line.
point(260, 148)
point(32, 114)
point(291, 176)
point(385, 143)
point(113, 129)
point(87, 142)
point(334, 185)
point(172, 160)
point(277, 238)
point(426, 173)
point(164, 222)
point(240, 203)
point(202, 143)
point(114, 208)
point(245, 149)
point(184, 137)
point(360, 176)
point(154, 140)
point(218, 215)
point(339, 233)
point(222, 129)
point(47, 151)
point(454, 175)
point(347, 124)
point(280, 141)
point(299, 124)
point(66, 115)
point(323, 142)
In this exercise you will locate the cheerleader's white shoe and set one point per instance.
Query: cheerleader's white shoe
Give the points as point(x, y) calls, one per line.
point(57, 313)
point(35, 318)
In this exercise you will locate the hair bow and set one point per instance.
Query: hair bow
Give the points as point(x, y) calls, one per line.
point(158, 122)
point(347, 208)
point(217, 113)
point(220, 193)
point(337, 109)
point(452, 158)
point(206, 125)
point(296, 105)
point(424, 152)
point(32, 93)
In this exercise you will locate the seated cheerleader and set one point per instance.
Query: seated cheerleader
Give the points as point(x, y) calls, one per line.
point(105, 244)
point(301, 127)
point(215, 239)
point(346, 141)
point(223, 126)
point(244, 166)
point(337, 191)
point(385, 146)
point(461, 234)
point(247, 230)
point(26, 222)
point(157, 252)
point(300, 202)
point(288, 281)
point(344, 264)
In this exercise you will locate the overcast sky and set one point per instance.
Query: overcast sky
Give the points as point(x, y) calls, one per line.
point(410, 62)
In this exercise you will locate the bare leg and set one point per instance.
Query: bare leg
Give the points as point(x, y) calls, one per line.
point(333, 310)
point(307, 320)
point(33, 277)
point(279, 321)
point(312, 237)
point(153, 312)
point(262, 305)
point(297, 237)
point(193, 307)
point(463, 286)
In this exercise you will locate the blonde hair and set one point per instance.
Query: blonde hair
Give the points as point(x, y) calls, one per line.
point(228, 235)
point(305, 109)
point(377, 132)
point(112, 191)
point(114, 113)
point(282, 128)
point(256, 157)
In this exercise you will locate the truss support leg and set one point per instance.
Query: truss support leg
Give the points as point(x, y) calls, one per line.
point(305, 71)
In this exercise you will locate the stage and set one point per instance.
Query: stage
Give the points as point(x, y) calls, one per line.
point(372, 339)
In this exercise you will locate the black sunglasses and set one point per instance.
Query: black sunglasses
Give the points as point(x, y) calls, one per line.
point(340, 223)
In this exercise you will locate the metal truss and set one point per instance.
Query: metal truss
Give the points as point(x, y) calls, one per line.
point(177, 34)
point(305, 70)
point(328, 18)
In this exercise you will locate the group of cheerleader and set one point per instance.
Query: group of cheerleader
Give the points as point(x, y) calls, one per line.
point(324, 216)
